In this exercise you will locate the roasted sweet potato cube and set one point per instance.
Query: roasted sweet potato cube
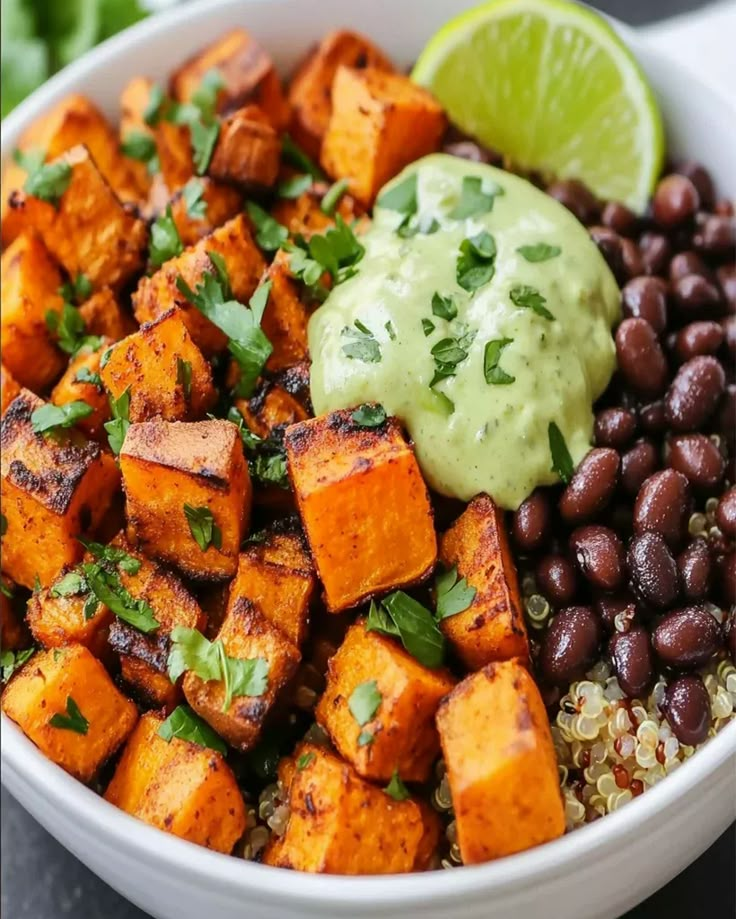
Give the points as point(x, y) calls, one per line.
point(144, 657)
point(248, 74)
point(310, 91)
point(174, 150)
point(277, 575)
point(304, 216)
point(247, 152)
point(81, 380)
point(179, 787)
point(66, 703)
point(245, 634)
point(380, 123)
point(363, 504)
point(9, 388)
point(89, 232)
point(77, 120)
point(245, 265)
point(501, 763)
point(285, 318)
point(270, 410)
point(165, 371)
point(340, 824)
point(54, 489)
point(492, 627)
point(12, 218)
point(103, 315)
point(401, 734)
point(168, 466)
point(56, 620)
point(220, 202)
point(134, 100)
point(30, 289)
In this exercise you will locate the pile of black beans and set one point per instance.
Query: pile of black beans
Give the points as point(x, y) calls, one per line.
point(617, 552)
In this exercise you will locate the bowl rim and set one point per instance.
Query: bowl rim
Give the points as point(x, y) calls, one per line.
point(203, 866)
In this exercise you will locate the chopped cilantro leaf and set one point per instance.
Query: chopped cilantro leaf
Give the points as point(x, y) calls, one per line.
point(270, 234)
point(203, 528)
point(74, 720)
point(193, 195)
point(522, 295)
point(369, 415)
point(50, 417)
point(491, 357)
point(562, 462)
point(539, 252)
point(454, 595)
point(364, 701)
point(396, 788)
point(476, 263)
point(165, 240)
point(362, 345)
point(443, 307)
point(294, 186)
point(187, 725)
point(333, 195)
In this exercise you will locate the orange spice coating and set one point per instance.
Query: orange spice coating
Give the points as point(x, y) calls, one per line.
point(501, 763)
point(248, 150)
point(70, 388)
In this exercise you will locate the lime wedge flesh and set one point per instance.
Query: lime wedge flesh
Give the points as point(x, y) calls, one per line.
point(549, 84)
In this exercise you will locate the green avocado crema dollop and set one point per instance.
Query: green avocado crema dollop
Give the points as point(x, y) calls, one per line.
point(480, 314)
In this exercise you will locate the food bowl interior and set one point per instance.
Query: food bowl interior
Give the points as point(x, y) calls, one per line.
point(600, 870)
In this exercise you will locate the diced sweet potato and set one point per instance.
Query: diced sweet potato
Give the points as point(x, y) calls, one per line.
point(270, 410)
point(57, 620)
point(12, 220)
point(77, 120)
point(165, 371)
point(247, 152)
point(144, 657)
point(178, 787)
point(245, 265)
point(501, 763)
point(277, 575)
point(492, 627)
point(246, 634)
point(133, 102)
point(402, 731)
point(47, 690)
point(76, 384)
point(221, 203)
point(103, 315)
point(363, 504)
point(30, 289)
point(310, 91)
point(285, 318)
point(248, 74)
point(9, 387)
point(304, 216)
point(54, 489)
point(174, 149)
point(380, 123)
point(341, 824)
point(167, 465)
point(90, 232)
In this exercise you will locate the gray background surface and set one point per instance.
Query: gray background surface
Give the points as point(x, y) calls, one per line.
point(40, 880)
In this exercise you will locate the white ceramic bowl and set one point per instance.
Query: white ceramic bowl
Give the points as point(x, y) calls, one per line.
point(597, 872)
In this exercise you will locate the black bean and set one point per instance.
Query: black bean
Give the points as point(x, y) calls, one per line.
point(694, 393)
point(700, 177)
point(652, 417)
point(570, 645)
point(698, 459)
point(704, 337)
point(687, 709)
point(631, 656)
point(577, 198)
point(728, 326)
point(531, 522)
point(599, 554)
point(663, 506)
point(695, 295)
point(614, 427)
point(637, 464)
point(618, 217)
point(717, 235)
point(687, 638)
point(645, 298)
point(556, 579)
point(726, 513)
point(591, 487)
point(469, 150)
point(640, 357)
point(633, 263)
point(685, 263)
point(653, 570)
point(727, 414)
point(693, 564)
point(727, 282)
point(608, 607)
point(655, 252)
point(675, 201)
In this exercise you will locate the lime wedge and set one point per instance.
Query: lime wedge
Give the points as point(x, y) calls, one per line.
point(549, 84)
